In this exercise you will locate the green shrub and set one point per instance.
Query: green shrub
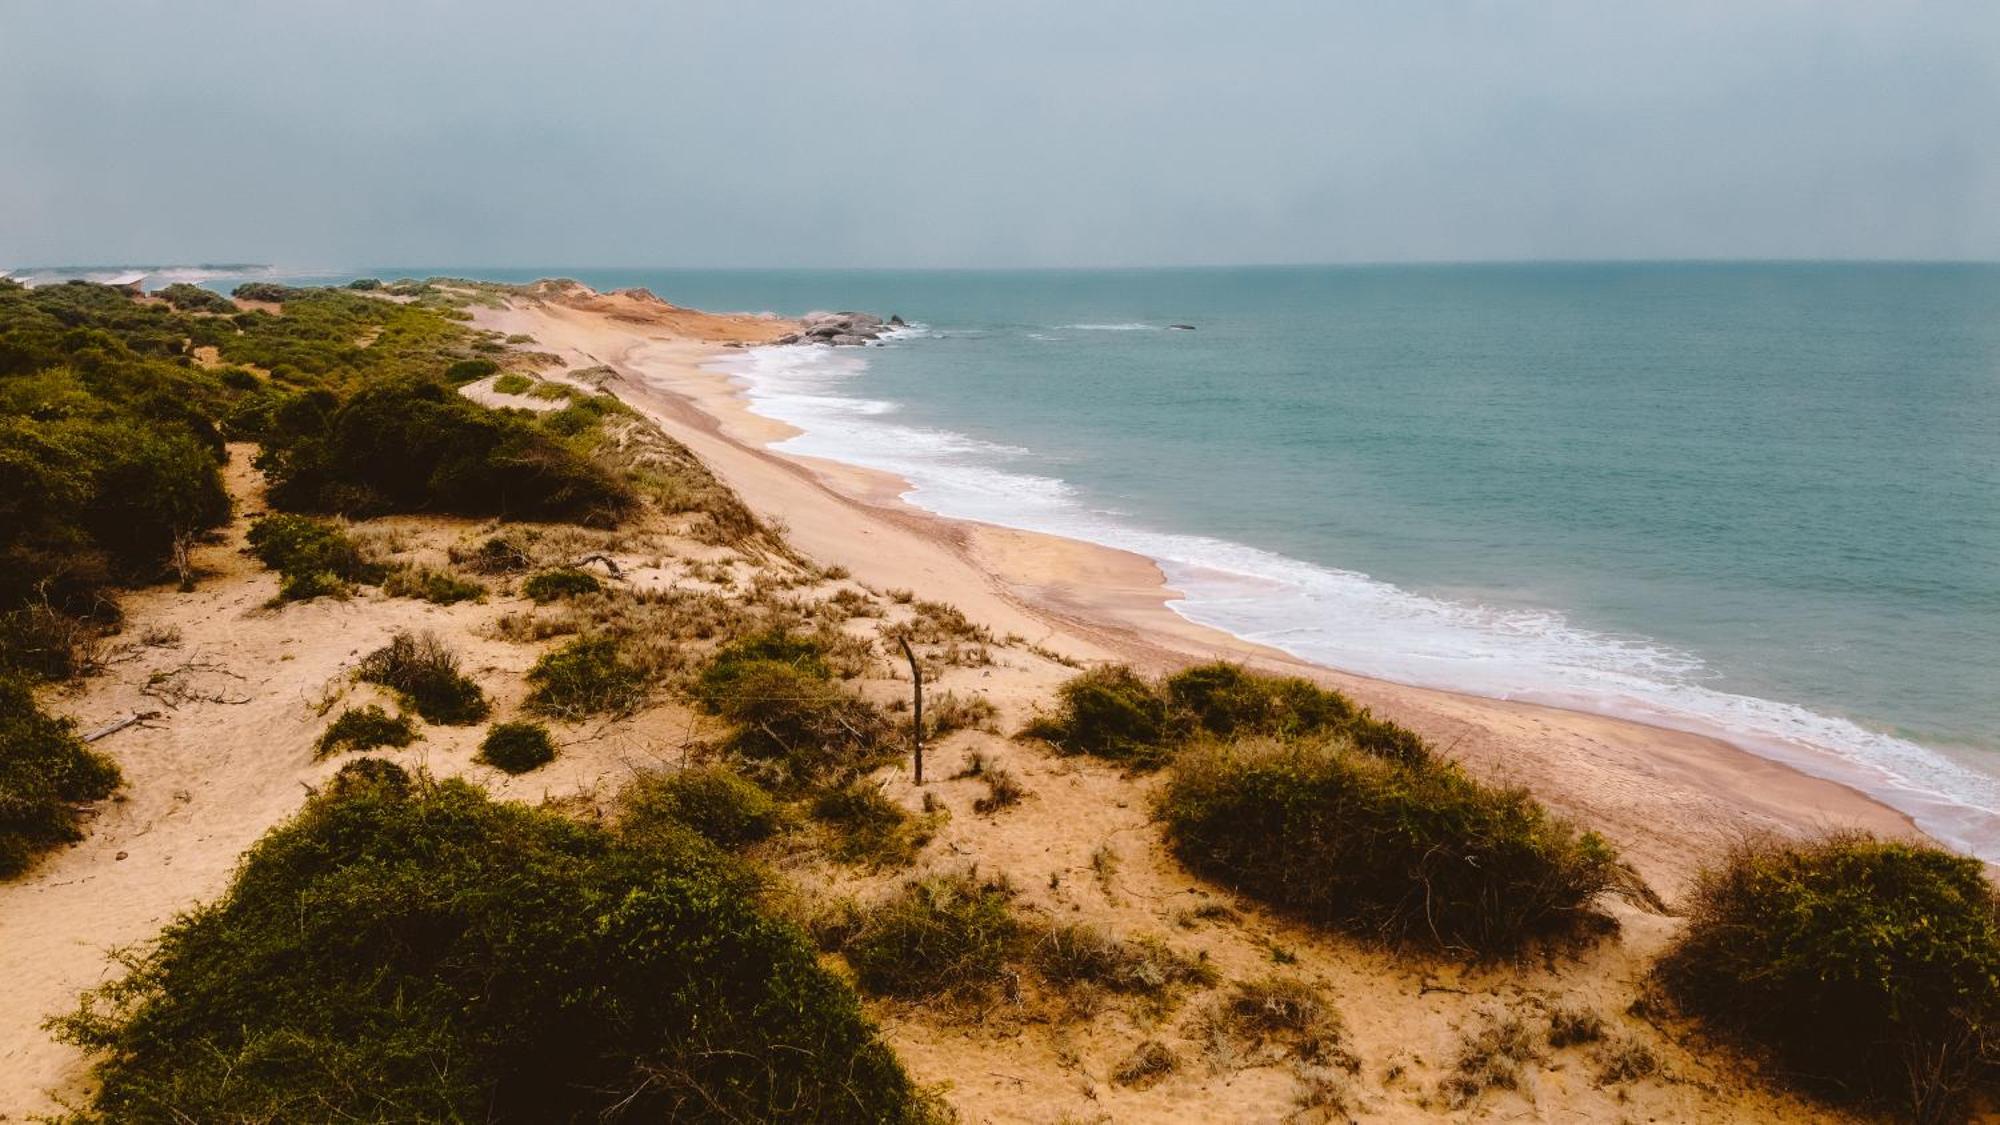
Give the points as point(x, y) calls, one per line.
point(463, 959)
point(867, 827)
point(1867, 969)
point(264, 291)
point(45, 770)
point(193, 298)
point(517, 747)
point(947, 935)
point(723, 806)
point(1113, 713)
point(436, 586)
point(365, 283)
point(587, 676)
point(467, 370)
point(719, 677)
point(312, 557)
point(1409, 853)
point(423, 670)
point(410, 445)
point(365, 728)
point(1069, 955)
point(513, 383)
point(555, 585)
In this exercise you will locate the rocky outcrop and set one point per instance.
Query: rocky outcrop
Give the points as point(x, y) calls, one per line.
point(840, 329)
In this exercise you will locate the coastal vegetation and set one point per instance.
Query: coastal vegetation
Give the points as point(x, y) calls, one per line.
point(423, 670)
point(442, 974)
point(1865, 969)
point(366, 728)
point(45, 771)
point(517, 747)
point(1413, 854)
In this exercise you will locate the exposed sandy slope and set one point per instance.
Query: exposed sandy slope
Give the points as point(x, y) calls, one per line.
point(210, 776)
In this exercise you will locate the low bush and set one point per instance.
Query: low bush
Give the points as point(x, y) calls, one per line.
point(365, 728)
point(1490, 1057)
point(313, 557)
point(423, 670)
point(513, 383)
point(793, 725)
point(1866, 969)
point(722, 805)
point(1148, 1063)
point(587, 676)
point(867, 827)
point(470, 960)
point(555, 585)
point(947, 935)
point(1113, 713)
point(517, 747)
point(1272, 1019)
point(438, 587)
point(193, 298)
point(1071, 955)
point(412, 445)
point(1411, 854)
point(45, 771)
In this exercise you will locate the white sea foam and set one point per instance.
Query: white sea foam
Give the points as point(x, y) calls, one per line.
point(1348, 620)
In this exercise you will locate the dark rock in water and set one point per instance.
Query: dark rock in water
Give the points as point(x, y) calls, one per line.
point(895, 320)
point(1182, 327)
point(841, 329)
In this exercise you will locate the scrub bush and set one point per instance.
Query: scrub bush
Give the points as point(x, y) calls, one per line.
point(424, 670)
point(555, 585)
point(723, 806)
point(517, 747)
point(438, 587)
point(463, 959)
point(365, 728)
point(947, 935)
point(513, 383)
point(193, 298)
point(587, 676)
point(792, 723)
point(1413, 854)
point(1113, 713)
point(1868, 970)
point(312, 557)
point(45, 770)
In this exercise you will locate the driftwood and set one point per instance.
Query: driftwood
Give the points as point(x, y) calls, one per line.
point(610, 564)
point(114, 727)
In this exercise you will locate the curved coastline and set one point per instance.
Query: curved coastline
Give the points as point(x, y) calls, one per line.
point(1893, 772)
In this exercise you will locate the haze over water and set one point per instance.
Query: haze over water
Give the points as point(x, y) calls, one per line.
point(1760, 500)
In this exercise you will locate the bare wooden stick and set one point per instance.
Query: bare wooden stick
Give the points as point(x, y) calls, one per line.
point(121, 724)
point(917, 722)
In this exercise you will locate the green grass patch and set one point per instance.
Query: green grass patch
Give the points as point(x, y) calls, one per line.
point(1867, 970)
point(513, 383)
point(424, 671)
point(411, 950)
point(794, 726)
point(866, 827)
point(365, 728)
point(1413, 854)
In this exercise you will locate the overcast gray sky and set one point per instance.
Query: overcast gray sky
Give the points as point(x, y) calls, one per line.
point(593, 132)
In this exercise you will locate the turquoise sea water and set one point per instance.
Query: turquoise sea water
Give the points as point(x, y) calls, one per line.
point(1757, 500)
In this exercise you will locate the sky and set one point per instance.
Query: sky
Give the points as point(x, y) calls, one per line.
point(954, 133)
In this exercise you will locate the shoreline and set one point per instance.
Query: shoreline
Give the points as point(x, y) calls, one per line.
point(1669, 797)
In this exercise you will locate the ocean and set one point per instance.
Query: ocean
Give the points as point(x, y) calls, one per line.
point(1754, 500)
